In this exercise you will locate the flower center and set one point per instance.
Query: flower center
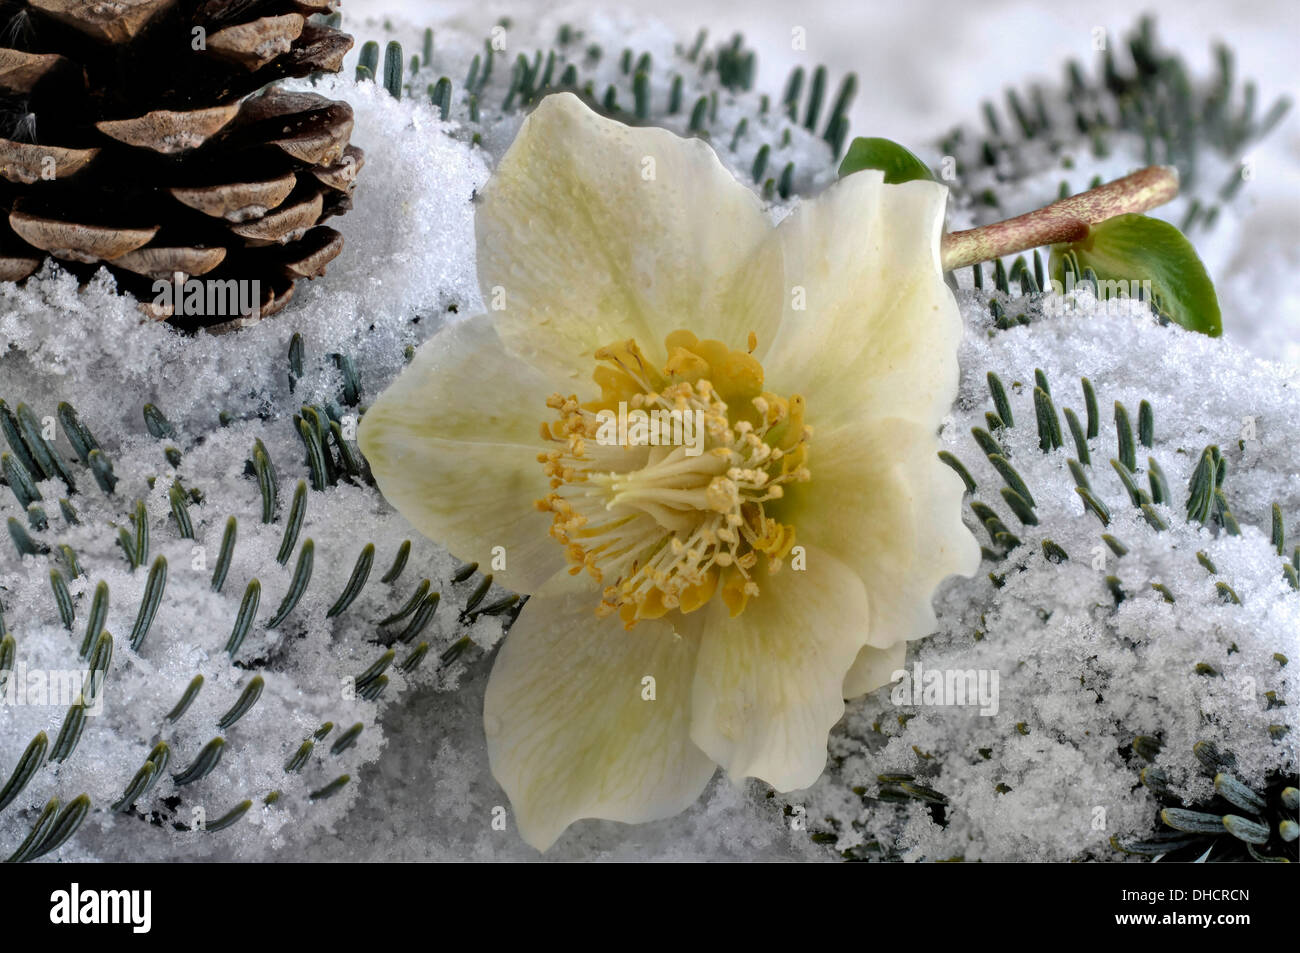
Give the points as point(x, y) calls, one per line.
point(661, 488)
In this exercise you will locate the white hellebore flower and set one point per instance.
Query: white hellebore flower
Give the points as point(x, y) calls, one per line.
point(691, 605)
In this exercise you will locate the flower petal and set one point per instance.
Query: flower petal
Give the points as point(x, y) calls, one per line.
point(768, 683)
point(570, 733)
point(866, 255)
point(874, 667)
point(882, 501)
point(453, 445)
point(592, 232)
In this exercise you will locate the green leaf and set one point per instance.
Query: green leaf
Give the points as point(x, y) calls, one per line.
point(898, 164)
point(1135, 248)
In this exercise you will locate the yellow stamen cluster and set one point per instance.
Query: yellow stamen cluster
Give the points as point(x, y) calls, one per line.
point(658, 527)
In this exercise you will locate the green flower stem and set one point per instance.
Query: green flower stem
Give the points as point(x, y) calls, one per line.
point(1065, 221)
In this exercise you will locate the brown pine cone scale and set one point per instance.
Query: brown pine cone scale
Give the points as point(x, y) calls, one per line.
point(142, 136)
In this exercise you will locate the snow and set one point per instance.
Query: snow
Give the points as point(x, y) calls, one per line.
point(1078, 675)
point(1084, 676)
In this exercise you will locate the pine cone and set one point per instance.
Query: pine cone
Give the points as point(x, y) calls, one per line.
point(133, 136)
